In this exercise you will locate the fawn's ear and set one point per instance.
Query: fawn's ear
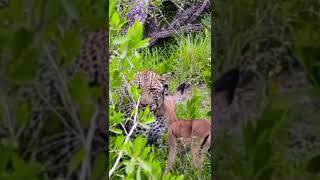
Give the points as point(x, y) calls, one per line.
point(182, 87)
point(227, 84)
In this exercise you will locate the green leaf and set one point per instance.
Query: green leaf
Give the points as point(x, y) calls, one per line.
point(262, 156)
point(115, 20)
point(116, 118)
point(112, 4)
point(139, 144)
point(24, 68)
point(139, 173)
point(145, 165)
point(23, 169)
point(77, 159)
point(115, 79)
point(142, 43)
point(129, 167)
point(127, 148)
point(23, 114)
point(69, 45)
point(120, 40)
point(100, 167)
point(115, 130)
point(135, 92)
point(135, 33)
point(5, 35)
point(119, 141)
point(145, 152)
point(53, 11)
point(81, 95)
point(5, 156)
point(21, 39)
point(249, 137)
point(313, 165)
point(16, 10)
point(70, 9)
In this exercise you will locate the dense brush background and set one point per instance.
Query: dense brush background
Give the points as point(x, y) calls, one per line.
point(278, 42)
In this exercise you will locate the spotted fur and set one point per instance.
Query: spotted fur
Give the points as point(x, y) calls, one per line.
point(153, 89)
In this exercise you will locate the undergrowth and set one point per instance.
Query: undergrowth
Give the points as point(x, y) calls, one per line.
point(187, 60)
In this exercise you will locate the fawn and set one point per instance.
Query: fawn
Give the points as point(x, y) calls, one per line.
point(195, 133)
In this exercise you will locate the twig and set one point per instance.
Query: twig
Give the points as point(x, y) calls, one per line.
point(86, 161)
point(127, 139)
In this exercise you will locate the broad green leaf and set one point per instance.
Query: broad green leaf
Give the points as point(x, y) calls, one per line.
point(16, 10)
point(23, 114)
point(116, 118)
point(249, 137)
point(145, 165)
point(86, 112)
point(119, 141)
point(53, 11)
point(129, 167)
point(77, 159)
point(24, 169)
point(139, 173)
point(24, 68)
point(120, 40)
point(5, 35)
point(70, 9)
point(115, 130)
point(5, 156)
point(69, 46)
point(180, 177)
point(127, 148)
point(313, 165)
point(100, 167)
point(145, 152)
point(142, 44)
point(135, 33)
point(96, 92)
point(135, 92)
point(36, 12)
point(81, 94)
point(262, 156)
point(133, 112)
point(112, 4)
point(21, 39)
point(115, 79)
point(138, 144)
point(115, 20)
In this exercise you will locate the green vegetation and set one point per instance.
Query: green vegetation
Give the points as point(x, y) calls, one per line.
point(249, 30)
point(42, 38)
point(187, 59)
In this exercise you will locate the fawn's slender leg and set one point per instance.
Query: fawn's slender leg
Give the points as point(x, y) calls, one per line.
point(172, 153)
point(196, 154)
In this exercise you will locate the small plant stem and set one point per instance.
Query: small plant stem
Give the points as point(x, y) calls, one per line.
point(135, 123)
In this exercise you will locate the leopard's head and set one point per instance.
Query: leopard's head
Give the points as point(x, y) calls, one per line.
point(153, 88)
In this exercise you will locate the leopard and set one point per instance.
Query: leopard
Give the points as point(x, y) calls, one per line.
point(55, 149)
point(153, 88)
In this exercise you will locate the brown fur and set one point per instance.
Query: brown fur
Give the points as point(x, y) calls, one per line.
point(195, 134)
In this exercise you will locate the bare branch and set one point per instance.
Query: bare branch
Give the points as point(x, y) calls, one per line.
point(127, 139)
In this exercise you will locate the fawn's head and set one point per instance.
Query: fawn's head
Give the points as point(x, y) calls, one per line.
point(168, 106)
